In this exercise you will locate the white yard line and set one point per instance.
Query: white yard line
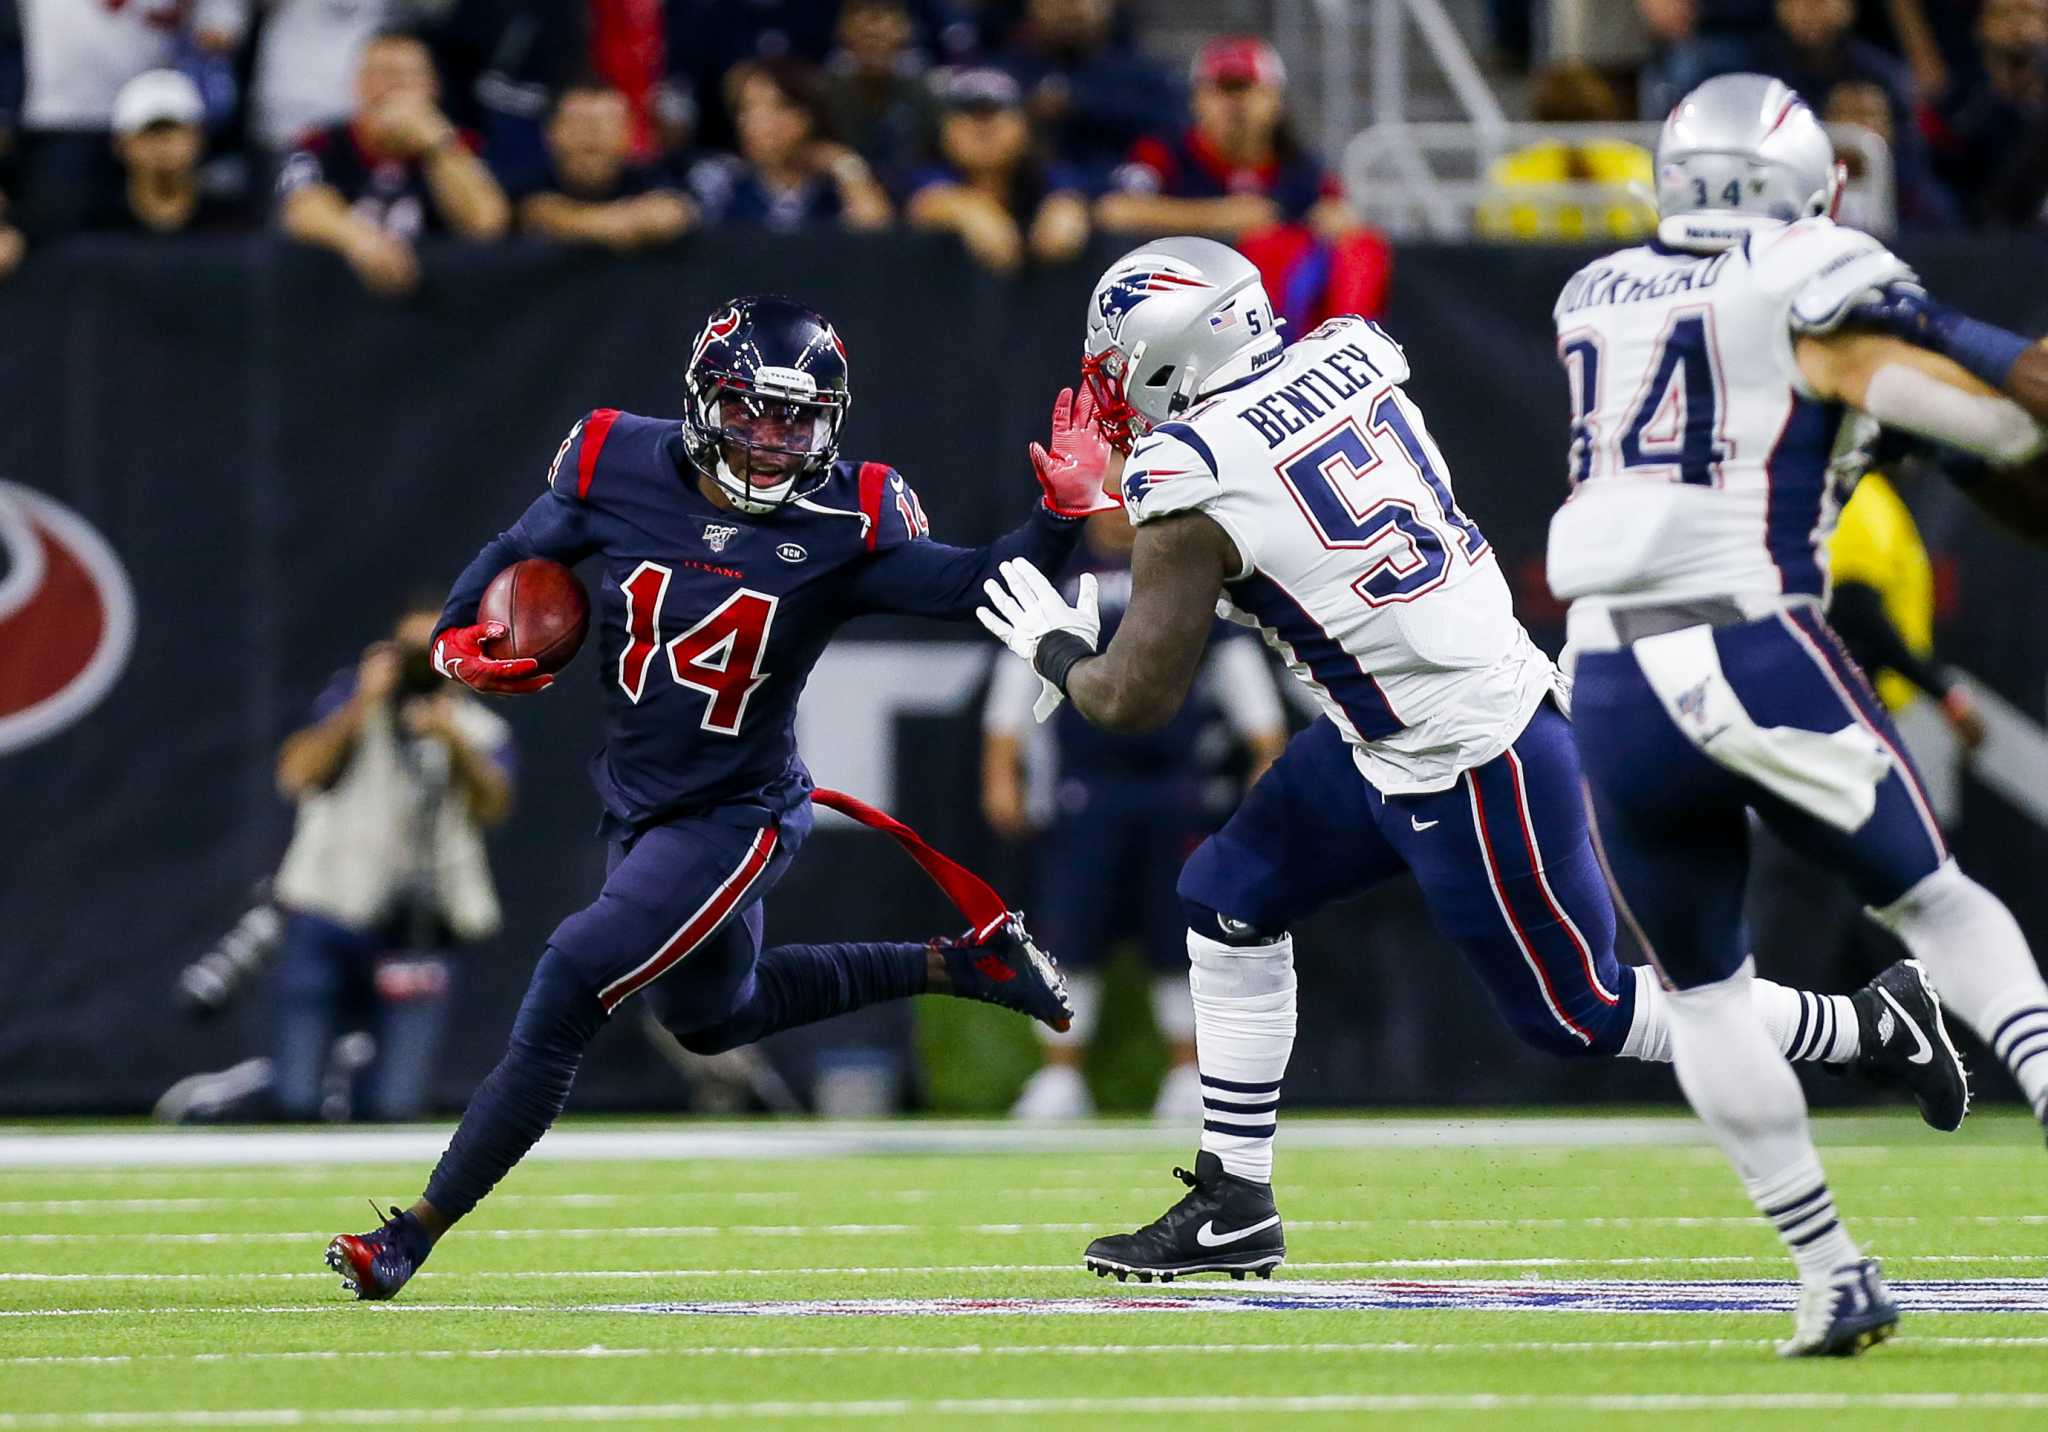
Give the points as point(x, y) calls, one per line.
point(834, 1350)
point(172, 1148)
point(800, 1230)
point(1643, 1404)
point(915, 1269)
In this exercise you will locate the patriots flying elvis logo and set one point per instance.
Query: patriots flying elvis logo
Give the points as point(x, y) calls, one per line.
point(1123, 294)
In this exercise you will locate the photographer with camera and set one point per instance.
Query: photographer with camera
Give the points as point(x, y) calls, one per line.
point(396, 777)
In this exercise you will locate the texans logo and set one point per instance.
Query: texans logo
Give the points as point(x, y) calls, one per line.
point(723, 326)
point(67, 617)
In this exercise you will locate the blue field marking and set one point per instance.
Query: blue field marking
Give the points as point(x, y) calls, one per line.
point(1940, 1295)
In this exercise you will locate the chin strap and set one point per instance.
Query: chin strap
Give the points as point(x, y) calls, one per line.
point(973, 896)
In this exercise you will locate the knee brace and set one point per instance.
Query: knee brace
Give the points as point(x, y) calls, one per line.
point(1222, 929)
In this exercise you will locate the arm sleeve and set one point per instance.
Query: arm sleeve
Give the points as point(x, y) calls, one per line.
point(1243, 686)
point(1011, 691)
point(923, 578)
point(1857, 614)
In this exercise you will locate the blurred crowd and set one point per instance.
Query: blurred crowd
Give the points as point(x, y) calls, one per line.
point(1020, 126)
point(1957, 88)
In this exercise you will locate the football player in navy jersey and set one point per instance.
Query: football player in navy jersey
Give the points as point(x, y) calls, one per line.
point(734, 542)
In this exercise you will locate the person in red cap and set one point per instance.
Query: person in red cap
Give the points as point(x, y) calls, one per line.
point(1240, 174)
point(1239, 168)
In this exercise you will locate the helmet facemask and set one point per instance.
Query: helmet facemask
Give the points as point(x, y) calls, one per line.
point(764, 442)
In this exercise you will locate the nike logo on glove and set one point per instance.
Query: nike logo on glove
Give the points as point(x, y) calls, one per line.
point(1208, 1237)
point(1922, 1050)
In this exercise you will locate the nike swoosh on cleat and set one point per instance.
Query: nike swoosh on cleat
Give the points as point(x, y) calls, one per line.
point(1922, 1050)
point(1424, 824)
point(1208, 1237)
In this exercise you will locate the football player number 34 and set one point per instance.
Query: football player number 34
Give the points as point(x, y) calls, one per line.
point(720, 656)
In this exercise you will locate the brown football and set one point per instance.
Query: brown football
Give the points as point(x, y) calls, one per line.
point(545, 611)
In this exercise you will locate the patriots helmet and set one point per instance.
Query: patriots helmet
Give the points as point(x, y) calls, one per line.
point(763, 400)
point(1169, 322)
point(1739, 151)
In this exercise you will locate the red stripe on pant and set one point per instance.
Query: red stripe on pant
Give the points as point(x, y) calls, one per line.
point(1564, 921)
point(708, 916)
point(1500, 895)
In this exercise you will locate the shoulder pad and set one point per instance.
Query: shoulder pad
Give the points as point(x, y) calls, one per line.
point(1349, 330)
point(894, 513)
point(575, 464)
point(1171, 470)
point(1820, 270)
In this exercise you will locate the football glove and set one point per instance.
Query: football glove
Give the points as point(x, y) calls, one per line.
point(1071, 473)
point(1026, 607)
point(459, 655)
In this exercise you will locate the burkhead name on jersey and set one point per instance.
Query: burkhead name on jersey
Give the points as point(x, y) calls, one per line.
point(1357, 564)
point(1701, 459)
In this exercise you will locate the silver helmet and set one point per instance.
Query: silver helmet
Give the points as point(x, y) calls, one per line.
point(1738, 151)
point(1168, 322)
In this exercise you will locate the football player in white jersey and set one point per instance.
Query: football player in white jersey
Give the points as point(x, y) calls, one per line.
point(1714, 374)
point(1296, 489)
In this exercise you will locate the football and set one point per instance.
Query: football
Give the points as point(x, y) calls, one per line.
point(545, 611)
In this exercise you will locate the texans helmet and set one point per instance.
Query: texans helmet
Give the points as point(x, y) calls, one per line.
point(764, 395)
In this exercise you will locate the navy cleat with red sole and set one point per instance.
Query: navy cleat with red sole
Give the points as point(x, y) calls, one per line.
point(1009, 969)
point(375, 1265)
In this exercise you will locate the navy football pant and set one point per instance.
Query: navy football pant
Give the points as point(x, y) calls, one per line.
point(682, 906)
point(1672, 824)
point(1502, 859)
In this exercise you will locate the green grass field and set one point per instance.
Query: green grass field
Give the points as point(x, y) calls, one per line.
point(138, 1293)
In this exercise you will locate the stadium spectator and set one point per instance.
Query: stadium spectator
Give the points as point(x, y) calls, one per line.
point(1523, 202)
point(1090, 95)
point(591, 191)
point(1116, 816)
point(13, 246)
point(1240, 174)
point(1990, 127)
point(304, 75)
point(1239, 168)
point(876, 94)
point(158, 139)
point(1923, 202)
point(396, 775)
point(987, 188)
point(788, 174)
point(368, 187)
point(500, 62)
point(708, 39)
point(76, 57)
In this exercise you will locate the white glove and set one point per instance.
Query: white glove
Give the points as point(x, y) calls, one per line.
point(1027, 607)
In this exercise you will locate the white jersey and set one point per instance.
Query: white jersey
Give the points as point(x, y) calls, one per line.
point(1701, 460)
point(79, 53)
point(1358, 567)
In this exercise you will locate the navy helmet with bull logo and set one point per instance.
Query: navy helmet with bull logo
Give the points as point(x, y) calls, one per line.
point(764, 397)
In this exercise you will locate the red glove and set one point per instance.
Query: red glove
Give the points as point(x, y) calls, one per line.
point(1071, 473)
point(459, 655)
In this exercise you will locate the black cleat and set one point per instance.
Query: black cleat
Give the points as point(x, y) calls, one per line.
point(1009, 969)
point(1224, 1224)
point(375, 1265)
point(1905, 1041)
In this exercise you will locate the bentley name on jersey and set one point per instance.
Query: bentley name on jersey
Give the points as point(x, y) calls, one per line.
point(1700, 459)
point(1358, 566)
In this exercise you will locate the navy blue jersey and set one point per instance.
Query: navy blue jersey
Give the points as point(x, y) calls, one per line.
point(710, 620)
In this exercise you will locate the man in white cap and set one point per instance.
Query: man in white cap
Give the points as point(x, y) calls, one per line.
point(158, 140)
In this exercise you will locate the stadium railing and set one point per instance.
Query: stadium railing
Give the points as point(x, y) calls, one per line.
point(1429, 180)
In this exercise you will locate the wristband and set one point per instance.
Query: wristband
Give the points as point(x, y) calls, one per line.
point(1985, 349)
point(1059, 652)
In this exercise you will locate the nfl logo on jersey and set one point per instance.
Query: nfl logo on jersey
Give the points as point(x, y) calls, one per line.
point(717, 534)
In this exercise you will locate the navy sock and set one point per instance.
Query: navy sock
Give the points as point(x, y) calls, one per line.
point(802, 984)
point(517, 1101)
